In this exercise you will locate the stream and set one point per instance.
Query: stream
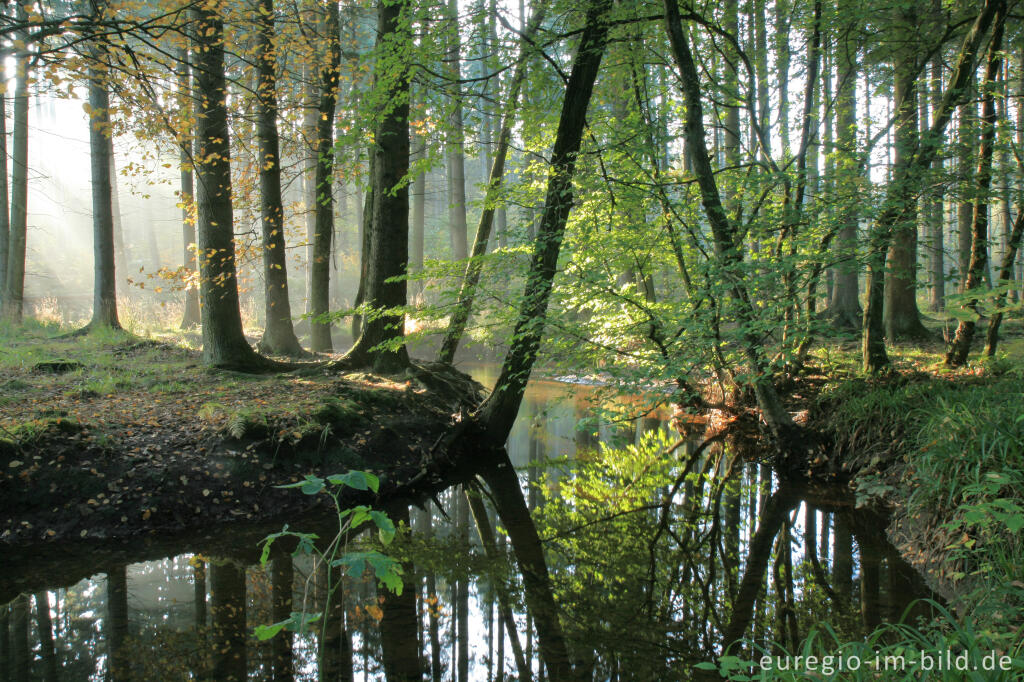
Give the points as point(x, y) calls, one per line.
point(652, 570)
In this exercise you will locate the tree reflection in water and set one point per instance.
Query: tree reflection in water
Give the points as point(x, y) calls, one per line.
point(610, 552)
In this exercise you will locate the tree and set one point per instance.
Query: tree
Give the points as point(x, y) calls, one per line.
point(224, 343)
point(104, 307)
point(278, 335)
point(323, 231)
point(961, 346)
point(14, 284)
point(381, 343)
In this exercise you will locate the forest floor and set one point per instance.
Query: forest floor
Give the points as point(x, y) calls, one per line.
point(111, 435)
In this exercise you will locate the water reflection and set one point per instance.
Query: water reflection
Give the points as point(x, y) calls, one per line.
point(650, 563)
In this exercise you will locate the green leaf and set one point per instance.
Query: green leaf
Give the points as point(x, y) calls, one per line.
point(358, 480)
point(311, 486)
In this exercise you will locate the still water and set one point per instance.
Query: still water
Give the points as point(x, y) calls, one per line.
point(656, 555)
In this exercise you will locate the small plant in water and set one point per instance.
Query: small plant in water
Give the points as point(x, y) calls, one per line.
point(336, 554)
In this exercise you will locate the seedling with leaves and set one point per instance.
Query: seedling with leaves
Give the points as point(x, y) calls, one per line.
point(336, 554)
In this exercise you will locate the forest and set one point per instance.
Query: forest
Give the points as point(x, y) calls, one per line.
point(594, 340)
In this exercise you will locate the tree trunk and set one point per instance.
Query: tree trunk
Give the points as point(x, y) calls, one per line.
point(499, 410)
point(389, 220)
point(968, 141)
point(5, 211)
point(199, 593)
point(845, 304)
point(419, 201)
point(901, 317)
point(957, 354)
point(191, 316)
point(278, 334)
point(474, 268)
point(1005, 277)
point(224, 343)
point(455, 145)
point(14, 285)
point(104, 305)
point(936, 223)
point(320, 292)
point(900, 191)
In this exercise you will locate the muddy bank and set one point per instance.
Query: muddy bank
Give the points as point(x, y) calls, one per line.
point(172, 453)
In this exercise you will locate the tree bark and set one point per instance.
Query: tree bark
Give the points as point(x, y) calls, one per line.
point(901, 317)
point(5, 211)
point(224, 343)
point(21, 654)
point(499, 410)
point(936, 224)
point(14, 285)
point(401, 656)
point(381, 343)
point(320, 292)
point(191, 315)
point(961, 347)
point(278, 334)
point(104, 302)
point(455, 153)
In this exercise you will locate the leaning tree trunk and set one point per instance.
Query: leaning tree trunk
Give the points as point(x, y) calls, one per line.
point(957, 354)
point(278, 335)
point(224, 343)
point(323, 231)
point(104, 306)
point(381, 343)
point(460, 316)
point(14, 284)
point(727, 250)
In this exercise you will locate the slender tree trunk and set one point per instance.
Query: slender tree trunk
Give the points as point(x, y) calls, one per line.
point(419, 201)
point(278, 334)
point(224, 343)
point(455, 145)
point(968, 142)
point(14, 285)
point(467, 293)
point(499, 410)
point(385, 288)
point(199, 593)
point(845, 305)
point(104, 305)
point(5, 211)
point(320, 293)
point(1005, 276)
point(191, 316)
point(936, 227)
point(957, 354)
